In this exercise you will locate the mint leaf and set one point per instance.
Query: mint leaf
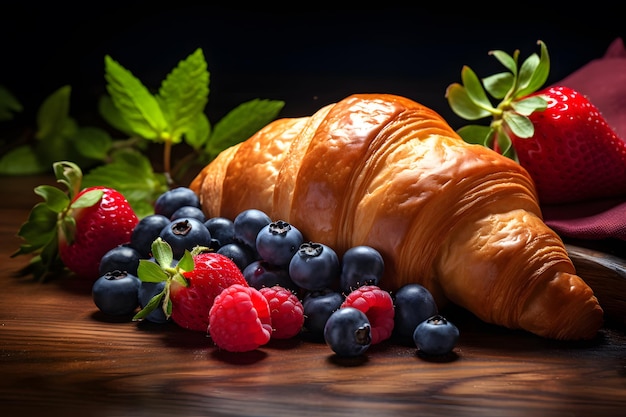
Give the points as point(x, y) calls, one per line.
point(8, 104)
point(113, 116)
point(184, 94)
point(92, 142)
point(242, 122)
point(22, 160)
point(198, 131)
point(131, 174)
point(138, 107)
point(53, 113)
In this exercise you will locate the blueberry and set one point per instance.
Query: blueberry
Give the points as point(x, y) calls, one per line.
point(361, 265)
point(435, 336)
point(314, 266)
point(348, 332)
point(318, 306)
point(185, 233)
point(146, 231)
point(116, 293)
point(222, 229)
point(277, 242)
point(413, 304)
point(240, 254)
point(147, 290)
point(123, 258)
point(247, 225)
point(171, 200)
point(188, 211)
point(259, 274)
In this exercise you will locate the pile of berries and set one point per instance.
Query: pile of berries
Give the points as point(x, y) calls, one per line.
point(251, 279)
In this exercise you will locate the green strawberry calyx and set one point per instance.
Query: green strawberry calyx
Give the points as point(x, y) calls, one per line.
point(164, 269)
point(53, 217)
point(513, 88)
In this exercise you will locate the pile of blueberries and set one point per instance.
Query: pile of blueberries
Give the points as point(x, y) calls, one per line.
point(271, 253)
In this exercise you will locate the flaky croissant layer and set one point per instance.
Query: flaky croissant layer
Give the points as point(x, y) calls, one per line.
point(385, 171)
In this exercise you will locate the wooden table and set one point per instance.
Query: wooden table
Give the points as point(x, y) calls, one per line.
point(60, 357)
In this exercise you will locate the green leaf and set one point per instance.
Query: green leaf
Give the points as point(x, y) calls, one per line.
point(88, 199)
point(242, 122)
point(506, 145)
point(539, 75)
point(53, 113)
point(521, 126)
point(529, 105)
point(186, 262)
point(22, 160)
point(507, 60)
point(152, 305)
point(474, 88)
point(162, 253)
point(499, 85)
point(138, 107)
point(184, 94)
point(198, 132)
point(69, 174)
point(130, 173)
point(479, 135)
point(55, 199)
point(149, 271)
point(113, 116)
point(38, 230)
point(8, 104)
point(461, 103)
point(527, 70)
point(93, 142)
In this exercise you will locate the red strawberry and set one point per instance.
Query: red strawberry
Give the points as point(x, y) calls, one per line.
point(556, 134)
point(193, 297)
point(100, 219)
point(74, 229)
point(573, 155)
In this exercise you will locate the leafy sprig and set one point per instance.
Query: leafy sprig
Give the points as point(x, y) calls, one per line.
point(174, 115)
point(514, 88)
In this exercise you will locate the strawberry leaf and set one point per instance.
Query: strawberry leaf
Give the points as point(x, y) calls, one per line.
point(529, 105)
point(186, 262)
point(149, 271)
point(55, 199)
point(474, 89)
point(520, 125)
point(479, 135)
point(38, 230)
point(162, 253)
point(510, 62)
point(87, 199)
point(69, 174)
point(499, 85)
point(462, 104)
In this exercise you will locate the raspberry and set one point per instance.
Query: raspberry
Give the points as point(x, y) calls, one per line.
point(286, 310)
point(377, 305)
point(240, 320)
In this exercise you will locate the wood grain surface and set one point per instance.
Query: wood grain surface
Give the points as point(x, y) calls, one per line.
point(60, 357)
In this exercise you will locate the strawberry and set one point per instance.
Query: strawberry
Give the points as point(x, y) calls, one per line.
point(191, 285)
point(75, 229)
point(99, 219)
point(556, 134)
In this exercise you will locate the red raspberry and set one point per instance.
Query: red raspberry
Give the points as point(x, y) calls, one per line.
point(377, 305)
point(286, 310)
point(240, 320)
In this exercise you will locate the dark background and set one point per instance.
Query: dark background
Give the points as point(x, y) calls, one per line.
point(308, 58)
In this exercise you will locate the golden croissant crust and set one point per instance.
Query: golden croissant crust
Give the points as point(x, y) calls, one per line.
point(385, 171)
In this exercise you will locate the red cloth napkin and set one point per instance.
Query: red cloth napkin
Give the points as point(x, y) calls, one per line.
point(603, 81)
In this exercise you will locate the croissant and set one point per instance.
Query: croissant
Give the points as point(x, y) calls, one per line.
point(385, 171)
